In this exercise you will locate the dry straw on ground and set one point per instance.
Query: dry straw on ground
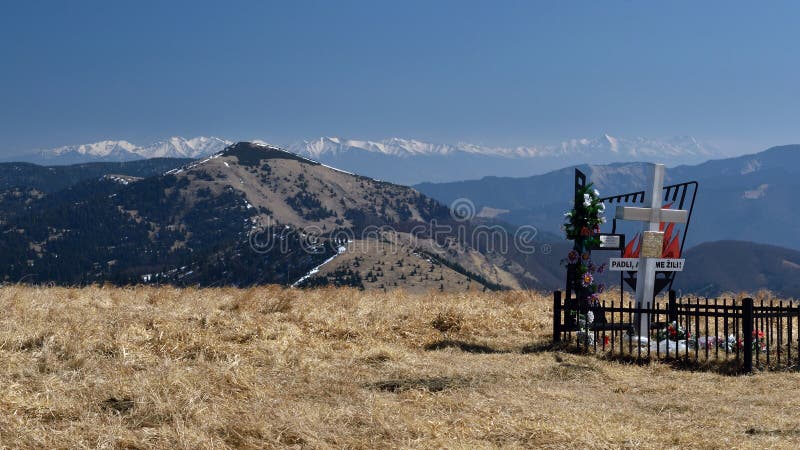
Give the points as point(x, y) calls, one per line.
point(269, 367)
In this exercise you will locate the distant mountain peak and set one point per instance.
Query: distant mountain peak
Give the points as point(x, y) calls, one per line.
point(612, 142)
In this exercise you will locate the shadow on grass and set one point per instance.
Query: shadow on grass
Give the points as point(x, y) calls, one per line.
point(544, 347)
point(120, 406)
point(461, 345)
point(722, 366)
point(789, 432)
point(433, 384)
point(727, 367)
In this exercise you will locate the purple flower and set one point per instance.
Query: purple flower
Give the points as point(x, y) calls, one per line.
point(573, 257)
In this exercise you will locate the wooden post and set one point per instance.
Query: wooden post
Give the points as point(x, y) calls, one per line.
point(673, 307)
point(747, 330)
point(556, 317)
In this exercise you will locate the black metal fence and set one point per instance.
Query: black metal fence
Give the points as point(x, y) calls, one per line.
point(742, 334)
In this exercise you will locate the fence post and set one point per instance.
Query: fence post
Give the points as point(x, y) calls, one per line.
point(556, 317)
point(673, 307)
point(747, 330)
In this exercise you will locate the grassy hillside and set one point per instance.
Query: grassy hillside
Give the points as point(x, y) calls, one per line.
point(270, 367)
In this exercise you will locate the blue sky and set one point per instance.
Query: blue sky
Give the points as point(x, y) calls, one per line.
point(498, 73)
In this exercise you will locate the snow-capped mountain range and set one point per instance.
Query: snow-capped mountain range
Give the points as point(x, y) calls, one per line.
point(409, 161)
point(174, 147)
point(604, 146)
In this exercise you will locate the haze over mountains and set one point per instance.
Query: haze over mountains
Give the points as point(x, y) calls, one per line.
point(409, 161)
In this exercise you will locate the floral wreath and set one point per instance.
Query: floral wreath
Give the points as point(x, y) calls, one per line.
point(583, 227)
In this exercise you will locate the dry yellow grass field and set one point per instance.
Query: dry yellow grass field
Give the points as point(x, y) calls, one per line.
point(270, 367)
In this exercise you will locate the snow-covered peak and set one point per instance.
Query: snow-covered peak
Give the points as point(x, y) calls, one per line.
point(99, 149)
point(613, 143)
point(392, 146)
point(178, 147)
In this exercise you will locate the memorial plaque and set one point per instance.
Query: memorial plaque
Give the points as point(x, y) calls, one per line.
point(612, 241)
point(652, 244)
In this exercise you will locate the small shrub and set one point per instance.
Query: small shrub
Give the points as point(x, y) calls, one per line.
point(447, 321)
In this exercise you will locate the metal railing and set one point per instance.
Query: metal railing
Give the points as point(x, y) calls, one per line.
point(696, 331)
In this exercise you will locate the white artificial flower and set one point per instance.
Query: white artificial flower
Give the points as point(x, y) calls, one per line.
point(590, 317)
point(586, 197)
point(596, 193)
point(602, 219)
point(568, 214)
point(602, 207)
point(585, 338)
point(587, 203)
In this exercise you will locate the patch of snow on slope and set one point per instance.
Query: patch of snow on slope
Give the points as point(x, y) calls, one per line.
point(750, 166)
point(315, 270)
point(756, 193)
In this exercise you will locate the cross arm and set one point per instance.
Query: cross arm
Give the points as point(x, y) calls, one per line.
point(647, 214)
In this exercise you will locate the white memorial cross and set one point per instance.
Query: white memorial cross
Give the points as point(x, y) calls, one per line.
point(652, 241)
